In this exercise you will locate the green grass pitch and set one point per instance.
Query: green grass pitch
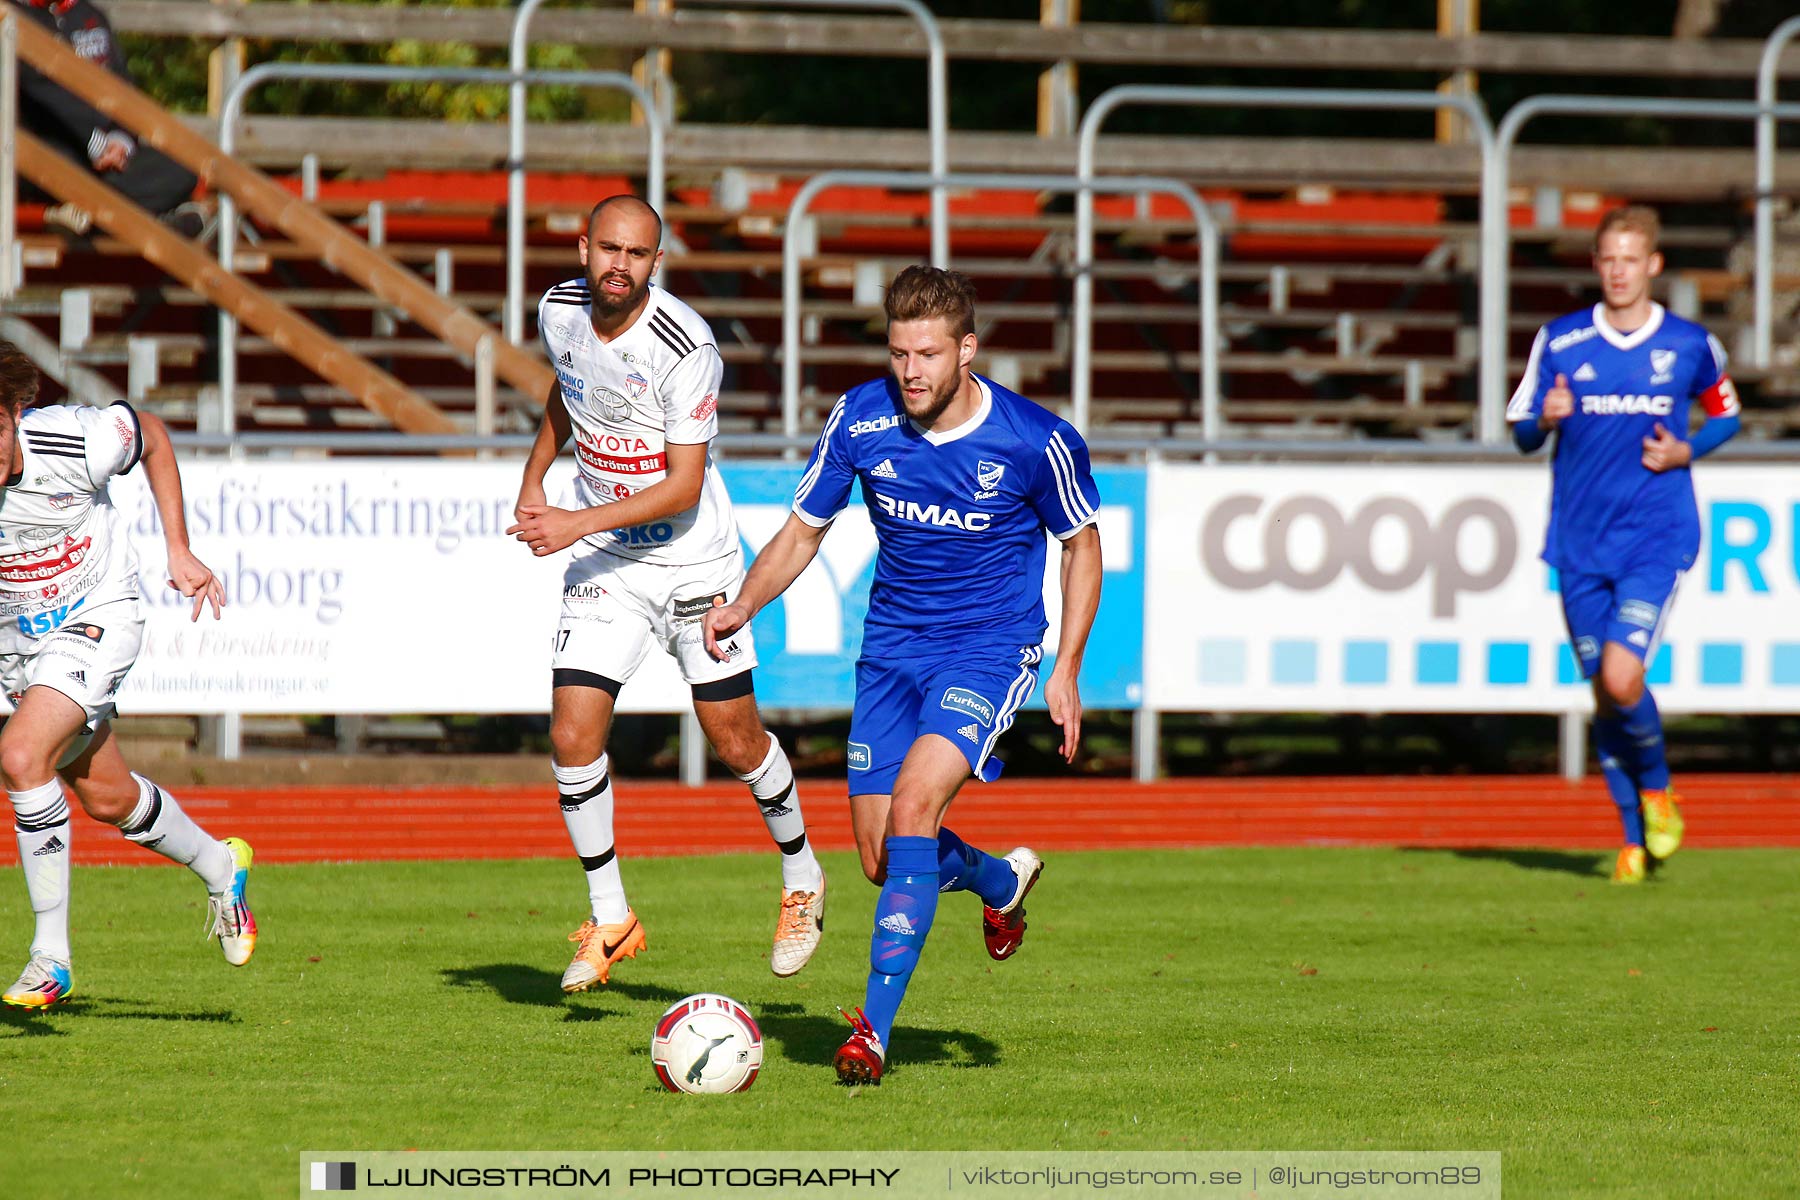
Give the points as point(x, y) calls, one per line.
point(1608, 1041)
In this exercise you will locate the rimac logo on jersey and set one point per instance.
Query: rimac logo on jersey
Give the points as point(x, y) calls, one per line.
point(987, 479)
point(962, 700)
point(1615, 405)
point(933, 514)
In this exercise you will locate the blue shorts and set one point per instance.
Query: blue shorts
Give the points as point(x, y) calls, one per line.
point(1629, 609)
point(968, 696)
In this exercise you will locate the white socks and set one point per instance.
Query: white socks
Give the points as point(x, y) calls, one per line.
point(772, 786)
point(159, 824)
point(587, 808)
point(41, 822)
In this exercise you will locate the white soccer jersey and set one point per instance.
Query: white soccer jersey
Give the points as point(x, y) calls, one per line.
point(658, 382)
point(63, 546)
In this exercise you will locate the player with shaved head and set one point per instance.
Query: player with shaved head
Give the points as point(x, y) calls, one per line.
point(656, 546)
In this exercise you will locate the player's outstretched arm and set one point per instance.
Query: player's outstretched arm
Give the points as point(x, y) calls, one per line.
point(1081, 573)
point(553, 432)
point(193, 578)
point(794, 546)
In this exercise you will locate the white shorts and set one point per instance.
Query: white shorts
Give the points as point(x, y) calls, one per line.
point(613, 609)
point(86, 659)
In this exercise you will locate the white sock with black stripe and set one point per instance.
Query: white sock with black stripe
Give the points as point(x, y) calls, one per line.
point(159, 824)
point(587, 807)
point(772, 787)
point(41, 824)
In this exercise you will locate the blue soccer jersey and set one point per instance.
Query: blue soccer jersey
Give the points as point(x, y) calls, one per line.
point(959, 516)
point(1608, 511)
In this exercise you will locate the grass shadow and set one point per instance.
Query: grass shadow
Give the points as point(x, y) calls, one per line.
point(518, 983)
point(1584, 863)
point(812, 1039)
point(38, 1023)
point(25, 1023)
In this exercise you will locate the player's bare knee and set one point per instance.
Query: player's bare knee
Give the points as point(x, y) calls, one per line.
point(914, 814)
point(1622, 684)
point(24, 765)
point(573, 744)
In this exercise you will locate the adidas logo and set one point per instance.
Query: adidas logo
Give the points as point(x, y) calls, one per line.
point(1585, 373)
point(897, 923)
point(566, 359)
point(55, 846)
point(776, 810)
point(79, 677)
point(885, 470)
point(968, 731)
point(1639, 637)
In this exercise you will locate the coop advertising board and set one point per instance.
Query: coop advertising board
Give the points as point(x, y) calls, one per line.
point(1419, 588)
point(387, 586)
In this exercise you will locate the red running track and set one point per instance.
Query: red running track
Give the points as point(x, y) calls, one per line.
point(303, 824)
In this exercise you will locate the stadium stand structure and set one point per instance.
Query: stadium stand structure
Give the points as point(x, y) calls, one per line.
point(1344, 313)
point(1348, 285)
point(297, 337)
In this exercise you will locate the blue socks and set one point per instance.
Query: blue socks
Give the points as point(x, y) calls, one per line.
point(1617, 756)
point(902, 920)
point(1630, 743)
point(963, 868)
point(1643, 725)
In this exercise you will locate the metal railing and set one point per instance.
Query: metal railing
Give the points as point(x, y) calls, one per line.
point(378, 73)
point(937, 96)
point(1766, 72)
point(1493, 200)
point(520, 78)
point(9, 179)
point(1081, 368)
point(1206, 234)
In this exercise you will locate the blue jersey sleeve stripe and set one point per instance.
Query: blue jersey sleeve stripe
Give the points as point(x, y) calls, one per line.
point(1016, 695)
point(1525, 398)
point(1062, 469)
point(1068, 485)
point(1718, 353)
point(820, 449)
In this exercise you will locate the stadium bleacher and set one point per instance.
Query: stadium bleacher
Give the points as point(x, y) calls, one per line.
point(1345, 313)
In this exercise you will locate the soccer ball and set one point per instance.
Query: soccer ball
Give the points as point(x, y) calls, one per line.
point(706, 1044)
